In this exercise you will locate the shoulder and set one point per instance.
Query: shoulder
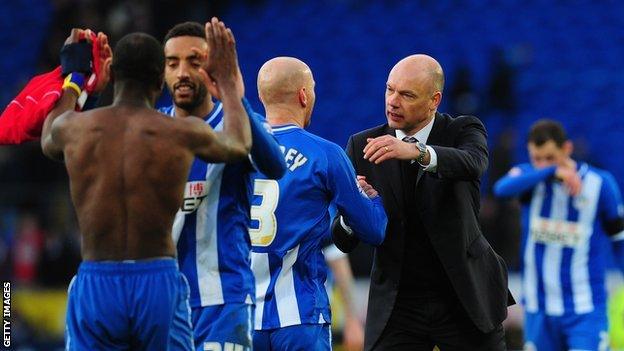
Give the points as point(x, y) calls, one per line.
point(460, 121)
point(319, 142)
point(608, 180)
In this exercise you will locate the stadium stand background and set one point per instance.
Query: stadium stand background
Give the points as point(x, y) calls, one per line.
point(509, 62)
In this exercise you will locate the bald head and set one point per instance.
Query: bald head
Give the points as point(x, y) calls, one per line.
point(423, 68)
point(280, 80)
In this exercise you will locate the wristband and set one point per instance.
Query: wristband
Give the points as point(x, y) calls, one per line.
point(74, 81)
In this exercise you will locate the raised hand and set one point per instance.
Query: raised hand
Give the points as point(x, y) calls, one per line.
point(221, 64)
point(570, 179)
point(103, 61)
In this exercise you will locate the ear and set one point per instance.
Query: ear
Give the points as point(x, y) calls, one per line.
point(568, 148)
point(436, 98)
point(303, 98)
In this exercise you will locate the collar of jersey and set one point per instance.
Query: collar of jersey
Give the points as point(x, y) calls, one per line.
point(284, 127)
point(211, 118)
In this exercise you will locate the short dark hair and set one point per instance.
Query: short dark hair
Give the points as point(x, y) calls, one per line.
point(186, 29)
point(547, 129)
point(139, 57)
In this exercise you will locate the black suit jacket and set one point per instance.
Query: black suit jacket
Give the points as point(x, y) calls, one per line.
point(449, 202)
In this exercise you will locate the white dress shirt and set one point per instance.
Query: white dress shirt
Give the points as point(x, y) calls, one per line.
point(422, 136)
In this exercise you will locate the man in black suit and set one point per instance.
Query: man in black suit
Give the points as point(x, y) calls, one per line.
point(435, 279)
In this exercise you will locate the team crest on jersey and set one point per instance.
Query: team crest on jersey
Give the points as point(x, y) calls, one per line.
point(194, 193)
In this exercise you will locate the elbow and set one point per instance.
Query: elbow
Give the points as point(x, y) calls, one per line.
point(246, 146)
point(377, 233)
point(49, 150)
point(499, 190)
point(46, 145)
point(477, 168)
point(381, 233)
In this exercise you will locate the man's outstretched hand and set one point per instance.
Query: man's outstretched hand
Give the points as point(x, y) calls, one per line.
point(221, 60)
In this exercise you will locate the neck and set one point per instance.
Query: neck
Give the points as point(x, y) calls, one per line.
point(199, 111)
point(135, 94)
point(277, 115)
point(419, 126)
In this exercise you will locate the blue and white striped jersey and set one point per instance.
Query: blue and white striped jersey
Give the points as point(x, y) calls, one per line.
point(290, 226)
point(210, 229)
point(564, 239)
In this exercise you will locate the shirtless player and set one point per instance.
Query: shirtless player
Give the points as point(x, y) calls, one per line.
point(127, 167)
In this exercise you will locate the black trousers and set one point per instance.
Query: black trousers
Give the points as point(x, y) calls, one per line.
point(422, 323)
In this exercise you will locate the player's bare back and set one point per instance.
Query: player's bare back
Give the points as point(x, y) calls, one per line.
point(127, 166)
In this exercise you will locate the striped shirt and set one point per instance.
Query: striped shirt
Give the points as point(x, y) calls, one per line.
point(564, 239)
point(290, 225)
point(211, 228)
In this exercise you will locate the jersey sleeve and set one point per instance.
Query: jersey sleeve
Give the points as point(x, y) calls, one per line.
point(366, 217)
point(611, 208)
point(521, 179)
point(612, 216)
point(266, 154)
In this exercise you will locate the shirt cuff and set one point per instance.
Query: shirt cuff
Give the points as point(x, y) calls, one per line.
point(433, 161)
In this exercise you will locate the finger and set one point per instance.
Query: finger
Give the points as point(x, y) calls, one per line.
point(379, 142)
point(230, 36)
point(380, 146)
point(89, 36)
point(377, 154)
point(225, 40)
point(202, 54)
point(216, 27)
point(369, 141)
point(372, 147)
point(360, 177)
point(74, 36)
point(209, 34)
point(386, 156)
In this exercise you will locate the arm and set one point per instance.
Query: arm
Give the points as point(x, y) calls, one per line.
point(468, 159)
point(353, 333)
point(265, 150)
point(76, 64)
point(521, 179)
point(221, 67)
point(342, 235)
point(366, 216)
point(51, 143)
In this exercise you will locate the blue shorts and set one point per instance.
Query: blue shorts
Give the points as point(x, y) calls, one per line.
point(137, 305)
point(223, 327)
point(568, 332)
point(301, 337)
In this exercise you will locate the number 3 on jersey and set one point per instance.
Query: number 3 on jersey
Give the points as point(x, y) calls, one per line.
point(264, 213)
